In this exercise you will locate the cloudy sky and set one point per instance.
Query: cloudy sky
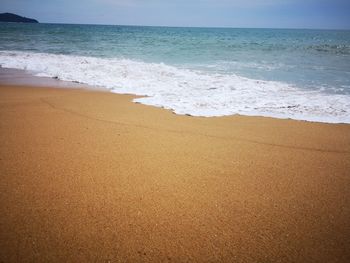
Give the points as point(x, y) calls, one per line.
point(212, 13)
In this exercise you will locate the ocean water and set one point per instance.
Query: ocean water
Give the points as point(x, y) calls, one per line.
point(283, 73)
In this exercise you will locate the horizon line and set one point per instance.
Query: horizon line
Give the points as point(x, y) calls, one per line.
point(209, 27)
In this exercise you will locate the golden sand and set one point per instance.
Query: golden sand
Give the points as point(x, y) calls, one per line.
point(92, 177)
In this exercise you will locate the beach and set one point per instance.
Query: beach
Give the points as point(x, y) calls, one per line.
point(203, 72)
point(90, 176)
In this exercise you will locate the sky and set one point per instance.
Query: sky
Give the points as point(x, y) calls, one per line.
point(327, 14)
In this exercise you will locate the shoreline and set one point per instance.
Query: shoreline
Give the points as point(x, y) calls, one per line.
point(19, 77)
point(91, 176)
point(25, 78)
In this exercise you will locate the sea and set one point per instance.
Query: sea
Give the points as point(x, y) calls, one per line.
point(209, 72)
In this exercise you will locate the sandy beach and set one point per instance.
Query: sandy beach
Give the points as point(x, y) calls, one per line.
point(89, 176)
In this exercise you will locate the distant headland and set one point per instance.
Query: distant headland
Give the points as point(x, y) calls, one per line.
point(8, 17)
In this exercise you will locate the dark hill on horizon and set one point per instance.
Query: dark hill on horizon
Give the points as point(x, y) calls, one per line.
point(9, 17)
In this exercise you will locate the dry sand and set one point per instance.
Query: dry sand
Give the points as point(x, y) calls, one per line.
point(91, 177)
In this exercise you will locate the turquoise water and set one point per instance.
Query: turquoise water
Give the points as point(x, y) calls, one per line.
point(308, 64)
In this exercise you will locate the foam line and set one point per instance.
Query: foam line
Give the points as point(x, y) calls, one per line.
point(185, 91)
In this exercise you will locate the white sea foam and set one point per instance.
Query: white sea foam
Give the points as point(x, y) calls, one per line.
point(185, 91)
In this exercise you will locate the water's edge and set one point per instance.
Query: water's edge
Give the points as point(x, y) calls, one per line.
point(185, 91)
point(20, 77)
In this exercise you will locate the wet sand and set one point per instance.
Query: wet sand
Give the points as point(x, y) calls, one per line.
point(88, 176)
